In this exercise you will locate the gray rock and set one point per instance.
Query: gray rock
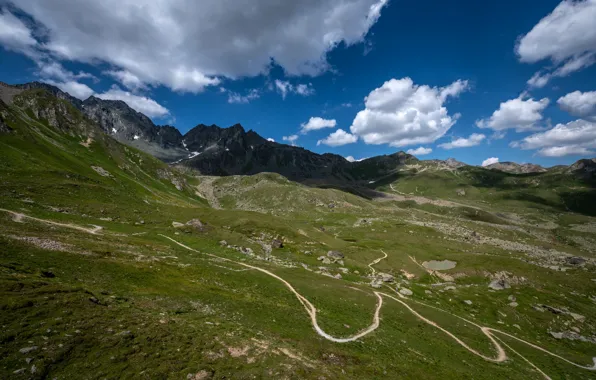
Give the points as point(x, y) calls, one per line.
point(277, 243)
point(376, 283)
point(513, 304)
point(450, 288)
point(196, 224)
point(428, 292)
point(386, 277)
point(223, 243)
point(26, 350)
point(499, 284)
point(19, 371)
point(406, 291)
point(467, 302)
point(511, 298)
point(335, 255)
point(177, 224)
point(576, 260)
point(338, 276)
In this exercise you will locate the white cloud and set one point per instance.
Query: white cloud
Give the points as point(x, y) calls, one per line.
point(523, 115)
point(579, 104)
point(420, 151)
point(316, 123)
point(234, 97)
point(55, 74)
point(338, 138)
point(270, 139)
point(539, 79)
point(304, 89)
point(76, 89)
point(139, 103)
point(566, 37)
point(473, 140)
point(128, 79)
point(15, 35)
point(490, 161)
point(285, 88)
point(55, 70)
point(560, 151)
point(575, 137)
point(402, 113)
point(352, 159)
point(187, 45)
point(291, 139)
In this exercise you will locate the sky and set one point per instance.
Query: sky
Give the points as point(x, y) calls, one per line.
point(482, 82)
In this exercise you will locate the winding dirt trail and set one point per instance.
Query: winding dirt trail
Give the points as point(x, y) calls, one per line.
point(18, 217)
point(501, 354)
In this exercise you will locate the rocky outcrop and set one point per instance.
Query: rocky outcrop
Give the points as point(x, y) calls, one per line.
point(514, 168)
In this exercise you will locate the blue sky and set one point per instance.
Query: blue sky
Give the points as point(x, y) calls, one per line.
point(432, 71)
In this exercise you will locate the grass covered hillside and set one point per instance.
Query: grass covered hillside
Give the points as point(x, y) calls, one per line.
point(116, 265)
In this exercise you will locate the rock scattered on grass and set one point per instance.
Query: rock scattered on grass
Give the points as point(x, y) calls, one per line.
point(406, 291)
point(277, 243)
point(196, 224)
point(26, 350)
point(335, 255)
point(386, 277)
point(499, 284)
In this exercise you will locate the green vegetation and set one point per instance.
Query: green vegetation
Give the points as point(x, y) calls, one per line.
point(126, 302)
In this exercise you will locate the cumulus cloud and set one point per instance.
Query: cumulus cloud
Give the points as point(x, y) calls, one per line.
point(316, 123)
point(352, 159)
point(234, 97)
point(285, 88)
point(490, 161)
point(560, 151)
point(76, 89)
point(402, 113)
point(420, 151)
point(291, 139)
point(575, 137)
point(55, 74)
point(139, 103)
point(128, 79)
point(15, 35)
point(473, 140)
point(338, 138)
point(566, 37)
point(520, 114)
point(187, 45)
point(579, 104)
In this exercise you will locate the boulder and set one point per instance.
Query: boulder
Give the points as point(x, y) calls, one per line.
point(467, 302)
point(277, 243)
point(223, 243)
point(177, 225)
point(499, 284)
point(406, 291)
point(386, 277)
point(197, 224)
point(576, 260)
point(376, 283)
point(335, 255)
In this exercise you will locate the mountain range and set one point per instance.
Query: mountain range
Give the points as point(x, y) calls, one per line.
point(213, 150)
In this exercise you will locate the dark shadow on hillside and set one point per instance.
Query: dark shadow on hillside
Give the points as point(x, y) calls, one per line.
point(582, 202)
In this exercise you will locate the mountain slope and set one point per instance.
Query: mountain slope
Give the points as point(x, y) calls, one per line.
point(52, 150)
